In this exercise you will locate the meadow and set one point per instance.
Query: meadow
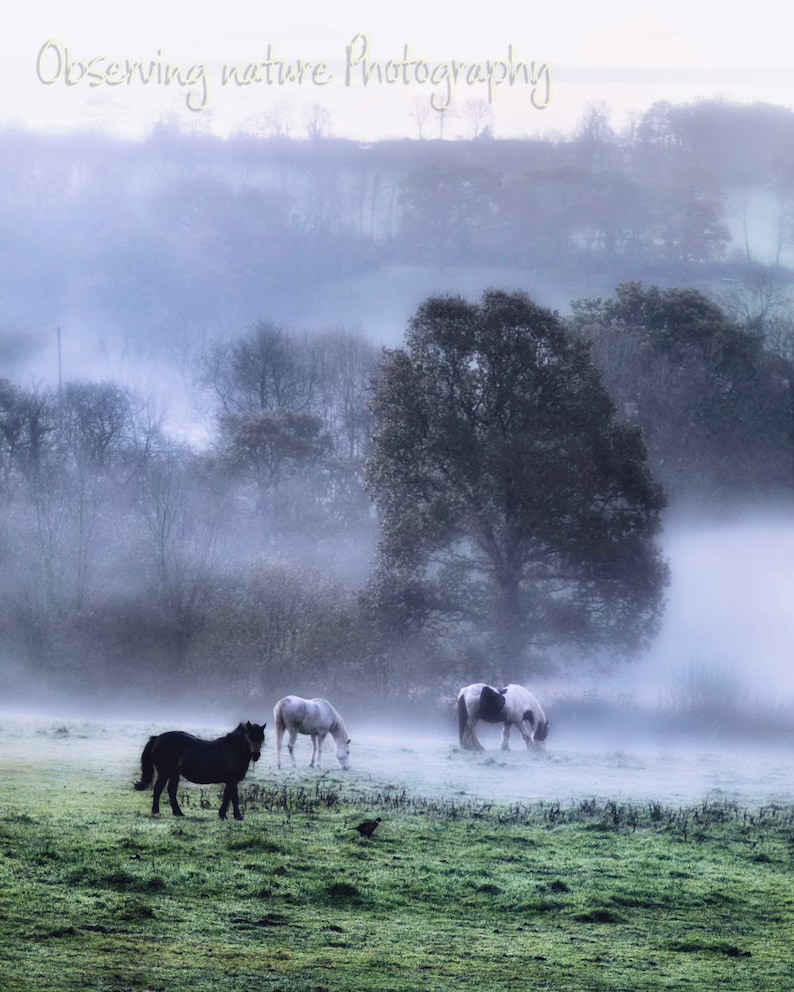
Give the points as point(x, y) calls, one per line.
point(457, 888)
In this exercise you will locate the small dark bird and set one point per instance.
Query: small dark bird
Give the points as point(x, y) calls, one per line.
point(367, 828)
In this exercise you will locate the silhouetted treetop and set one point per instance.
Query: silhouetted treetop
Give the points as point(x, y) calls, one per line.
point(714, 405)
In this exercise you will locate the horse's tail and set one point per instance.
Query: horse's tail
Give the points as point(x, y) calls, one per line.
point(279, 725)
point(463, 715)
point(147, 766)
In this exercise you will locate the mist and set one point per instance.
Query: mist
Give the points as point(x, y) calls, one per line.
point(161, 565)
point(729, 607)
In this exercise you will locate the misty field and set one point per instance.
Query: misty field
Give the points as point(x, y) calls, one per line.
point(581, 869)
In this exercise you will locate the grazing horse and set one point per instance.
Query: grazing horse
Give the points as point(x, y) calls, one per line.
point(512, 706)
point(315, 717)
point(224, 760)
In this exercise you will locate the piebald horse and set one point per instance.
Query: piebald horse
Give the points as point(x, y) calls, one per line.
point(513, 706)
point(315, 717)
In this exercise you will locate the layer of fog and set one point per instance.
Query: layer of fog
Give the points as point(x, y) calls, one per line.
point(729, 609)
point(434, 765)
point(727, 629)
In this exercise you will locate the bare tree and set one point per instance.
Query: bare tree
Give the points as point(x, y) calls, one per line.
point(420, 111)
point(267, 370)
point(480, 115)
point(764, 305)
point(279, 119)
point(317, 121)
point(753, 301)
point(594, 135)
point(183, 515)
point(784, 197)
point(444, 115)
point(275, 122)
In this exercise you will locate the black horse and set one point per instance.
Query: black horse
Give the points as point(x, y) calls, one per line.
point(226, 760)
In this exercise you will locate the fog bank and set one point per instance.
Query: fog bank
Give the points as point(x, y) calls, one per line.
point(729, 609)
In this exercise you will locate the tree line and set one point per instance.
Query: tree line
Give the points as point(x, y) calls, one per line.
point(487, 497)
point(142, 238)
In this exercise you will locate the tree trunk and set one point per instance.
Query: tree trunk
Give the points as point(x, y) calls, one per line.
point(509, 633)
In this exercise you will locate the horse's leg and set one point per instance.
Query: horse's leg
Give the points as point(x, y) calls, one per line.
point(159, 785)
point(315, 762)
point(293, 736)
point(235, 798)
point(506, 736)
point(279, 735)
point(320, 742)
point(475, 743)
point(173, 785)
point(230, 794)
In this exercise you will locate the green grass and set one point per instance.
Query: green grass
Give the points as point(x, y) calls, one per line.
point(96, 894)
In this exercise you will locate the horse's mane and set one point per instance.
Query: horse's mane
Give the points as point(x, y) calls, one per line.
point(338, 726)
point(241, 730)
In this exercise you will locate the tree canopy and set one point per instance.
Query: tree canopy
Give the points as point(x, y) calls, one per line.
point(714, 405)
point(512, 498)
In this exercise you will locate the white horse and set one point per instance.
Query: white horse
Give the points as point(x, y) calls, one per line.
point(310, 716)
point(514, 706)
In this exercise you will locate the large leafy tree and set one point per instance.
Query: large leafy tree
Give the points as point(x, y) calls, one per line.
point(714, 404)
point(513, 501)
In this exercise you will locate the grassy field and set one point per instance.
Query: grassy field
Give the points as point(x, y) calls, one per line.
point(449, 893)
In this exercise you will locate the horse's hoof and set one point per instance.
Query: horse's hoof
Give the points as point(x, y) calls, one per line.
point(238, 816)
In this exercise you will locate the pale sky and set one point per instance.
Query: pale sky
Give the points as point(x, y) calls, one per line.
point(617, 52)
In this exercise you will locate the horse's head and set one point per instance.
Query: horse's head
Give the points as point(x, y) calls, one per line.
point(541, 731)
point(343, 753)
point(254, 734)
